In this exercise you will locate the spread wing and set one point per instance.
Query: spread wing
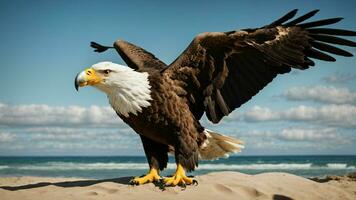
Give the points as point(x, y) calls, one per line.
point(134, 56)
point(220, 71)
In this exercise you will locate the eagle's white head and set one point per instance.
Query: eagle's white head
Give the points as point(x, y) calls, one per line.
point(128, 91)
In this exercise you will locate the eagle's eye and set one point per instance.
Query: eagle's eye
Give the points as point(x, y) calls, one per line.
point(107, 71)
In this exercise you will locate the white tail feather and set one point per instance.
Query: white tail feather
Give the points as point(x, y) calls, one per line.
point(217, 145)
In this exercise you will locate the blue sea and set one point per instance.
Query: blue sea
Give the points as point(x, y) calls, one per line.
point(120, 166)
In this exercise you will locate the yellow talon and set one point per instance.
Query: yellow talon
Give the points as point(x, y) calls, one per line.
point(179, 178)
point(152, 176)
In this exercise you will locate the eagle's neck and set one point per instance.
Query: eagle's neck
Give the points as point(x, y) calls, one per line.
point(129, 92)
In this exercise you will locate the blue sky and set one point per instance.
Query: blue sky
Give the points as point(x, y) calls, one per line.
point(44, 44)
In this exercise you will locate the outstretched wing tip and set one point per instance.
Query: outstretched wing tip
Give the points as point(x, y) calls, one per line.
point(323, 37)
point(262, 53)
point(282, 21)
point(284, 18)
point(98, 47)
point(293, 12)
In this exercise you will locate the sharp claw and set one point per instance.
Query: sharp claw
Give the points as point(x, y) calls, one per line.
point(184, 186)
point(132, 182)
point(179, 178)
point(195, 182)
point(152, 176)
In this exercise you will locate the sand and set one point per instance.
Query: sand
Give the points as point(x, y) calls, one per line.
point(219, 185)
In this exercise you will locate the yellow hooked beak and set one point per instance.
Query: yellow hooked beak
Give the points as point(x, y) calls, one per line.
point(86, 77)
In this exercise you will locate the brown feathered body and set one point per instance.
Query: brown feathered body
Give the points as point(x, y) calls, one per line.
point(168, 125)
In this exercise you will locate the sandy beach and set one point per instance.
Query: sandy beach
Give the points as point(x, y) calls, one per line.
point(219, 185)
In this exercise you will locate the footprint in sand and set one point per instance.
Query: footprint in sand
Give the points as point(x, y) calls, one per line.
point(92, 193)
point(111, 191)
point(250, 191)
point(105, 189)
point(223, 188)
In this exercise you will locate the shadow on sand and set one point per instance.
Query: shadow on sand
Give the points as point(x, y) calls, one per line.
point(80, 183)
point(281, 197)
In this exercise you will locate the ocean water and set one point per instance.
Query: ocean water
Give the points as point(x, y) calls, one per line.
point(119, 166)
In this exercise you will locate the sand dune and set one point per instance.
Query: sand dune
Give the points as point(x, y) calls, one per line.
point(219, 185)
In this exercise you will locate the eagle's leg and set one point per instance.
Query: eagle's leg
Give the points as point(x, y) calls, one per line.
point(151, 176)
point(157, 158)
point(186, 154)
point(179, 178)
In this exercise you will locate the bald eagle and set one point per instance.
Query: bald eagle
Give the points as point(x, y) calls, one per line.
point(217, 73)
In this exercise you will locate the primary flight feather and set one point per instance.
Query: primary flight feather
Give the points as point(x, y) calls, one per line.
point(217, 73)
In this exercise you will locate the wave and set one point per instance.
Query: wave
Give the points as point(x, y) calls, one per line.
point(339, 166)
point(281, 166)
point(83, 166)
point(143, 166)
point(3, 167)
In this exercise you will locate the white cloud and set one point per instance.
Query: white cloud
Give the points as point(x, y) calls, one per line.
point(339, 77)
point(6, 137)
point(69, 140)
point(298, 134)
point(301, 134)
point(256, 133)
point(324, 94)
point(258, 113)
point(334, 115)
point(44, 115)
point(75, 134)
point(330, 115)
point(64, 129)
point(296, 139)
point(300, 113)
